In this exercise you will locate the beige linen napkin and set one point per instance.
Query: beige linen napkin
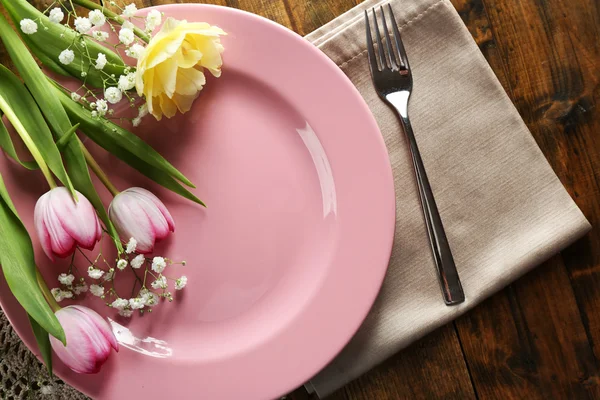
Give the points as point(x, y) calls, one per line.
point(504, 209)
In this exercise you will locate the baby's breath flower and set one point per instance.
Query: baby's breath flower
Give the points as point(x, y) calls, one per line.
point(101, 61)
point(153, 19)
point(150, 298)
point(57, 294)
point(121, 264)
point(131, 245)
point(95, 273)
point(28, 26)
point(97, 18)
point(129, 10)
point(158, 264)
point(136, 121)
point(83, 74)
point(138, 261)
point(160, 283)
point(120, 303)
point(97, 290)
point(136, 303)
point(94, 114)
point(82, 24)
point(135, 51)
point(113, 96)
point(126, 313)
point(126, 36)
point(66, 57)
point(66, 279)
point(110, 275)
point(56, 15)
point(78, 289)
point(75, 96)
point(127, 25)
point(102, 107)
point(181, 282)
point(127, 82)
point(100, 36)
point(67, 294)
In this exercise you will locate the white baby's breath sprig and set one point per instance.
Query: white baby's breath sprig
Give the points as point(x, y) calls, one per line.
point(126, 36)
point(95, 273)
point(113, 95)
point(131, 245)
point(181, 282)
point(158, 264)
point(153, 19)
point(122, 264)
point(28, 26)
point(66, 57)
point(100, 36)
point(97, 290)
point(129, 10)
point(82, 24)
point(56, 15)
point(137, 261)
point(66, 279)
point(101, 61)
point(97, 18)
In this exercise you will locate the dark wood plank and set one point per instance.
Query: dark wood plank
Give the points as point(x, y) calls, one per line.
point(433, 368)
point(531, 340)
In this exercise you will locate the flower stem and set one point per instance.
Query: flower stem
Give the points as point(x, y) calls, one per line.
point(98, 171)
point(37, 156)
point(46, 292)
point(111, 15)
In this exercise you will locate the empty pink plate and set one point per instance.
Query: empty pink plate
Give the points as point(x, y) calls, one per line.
point(289, 256)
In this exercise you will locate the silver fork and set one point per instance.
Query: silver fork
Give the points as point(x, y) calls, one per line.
point(392, 78)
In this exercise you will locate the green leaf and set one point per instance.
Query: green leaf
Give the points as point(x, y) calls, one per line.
point(62, 142)
point(7, 145)
point(18, 266)
point(23, 106)
point(43, 342)
point(56, 117)
point(117, 140)
point(134, 151)
point(48, 43)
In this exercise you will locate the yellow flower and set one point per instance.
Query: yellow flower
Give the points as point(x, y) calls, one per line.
point(170, 73)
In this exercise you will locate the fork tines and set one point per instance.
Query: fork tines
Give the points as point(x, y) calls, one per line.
point(395, 57)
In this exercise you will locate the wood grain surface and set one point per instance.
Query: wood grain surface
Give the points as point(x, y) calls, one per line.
point(537, 339)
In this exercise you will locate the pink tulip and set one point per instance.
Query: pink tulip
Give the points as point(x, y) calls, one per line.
point(62, 224)
point(138, 214)
point(89, 339)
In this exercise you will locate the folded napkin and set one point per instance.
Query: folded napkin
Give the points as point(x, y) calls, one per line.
point(503, 208)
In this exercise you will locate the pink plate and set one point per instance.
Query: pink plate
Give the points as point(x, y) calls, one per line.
point(289, 256)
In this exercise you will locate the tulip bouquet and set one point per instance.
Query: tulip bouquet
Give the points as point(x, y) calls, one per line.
point(118, 59)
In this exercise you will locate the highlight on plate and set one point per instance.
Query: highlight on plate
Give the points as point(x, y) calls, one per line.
point(122, 58)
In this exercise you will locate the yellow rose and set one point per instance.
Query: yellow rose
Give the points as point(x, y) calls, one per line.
point(170, 72)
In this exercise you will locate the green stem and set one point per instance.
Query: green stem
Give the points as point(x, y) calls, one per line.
point(111, 15)
point(46, 292)
point(37, 156)
point(98, 171)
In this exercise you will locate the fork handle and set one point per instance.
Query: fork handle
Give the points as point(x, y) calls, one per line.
point(446, 268)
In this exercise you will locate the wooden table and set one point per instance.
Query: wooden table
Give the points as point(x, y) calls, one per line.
point(535, 339)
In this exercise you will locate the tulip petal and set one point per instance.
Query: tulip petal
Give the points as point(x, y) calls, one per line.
point(168, 106)
point(78, 220)
point(40, 226)
point(189, 81)
point(139, 214)
point(159, 204)
point(88, 345)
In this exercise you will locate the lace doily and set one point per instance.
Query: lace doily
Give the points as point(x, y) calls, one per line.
point(22, 376)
